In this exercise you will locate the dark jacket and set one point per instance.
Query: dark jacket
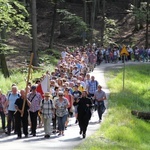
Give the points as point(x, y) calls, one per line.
point(84, 112)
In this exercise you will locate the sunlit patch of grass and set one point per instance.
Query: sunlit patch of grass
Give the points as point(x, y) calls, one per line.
point(120, 130)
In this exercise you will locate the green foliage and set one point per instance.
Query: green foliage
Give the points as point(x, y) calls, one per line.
point(18, 75)
point(110, 31)
point(13, 17)
point(140, 13)
point(74, 21)
point(120, 130)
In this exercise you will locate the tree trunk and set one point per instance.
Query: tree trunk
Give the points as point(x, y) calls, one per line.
point(62, 26)
point(3, 34)
point(142, 115)
point(97, 11)
point(4, 65)
point(89, 6)
point(140, 19)
point(92, 19)
point(136, 22)
point(53, 25)
point(103, 22)
point(85, 20)
point(147, 26)
point(34, 32)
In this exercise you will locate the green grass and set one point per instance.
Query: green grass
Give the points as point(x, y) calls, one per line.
point(47, 59)
point(120, 130)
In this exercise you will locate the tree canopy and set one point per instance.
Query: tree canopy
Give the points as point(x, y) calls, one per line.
point(12, 16)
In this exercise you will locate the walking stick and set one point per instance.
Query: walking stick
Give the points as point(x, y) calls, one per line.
point(29, 71)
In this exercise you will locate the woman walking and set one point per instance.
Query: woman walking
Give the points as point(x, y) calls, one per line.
point(61, 105)
point(84, 112)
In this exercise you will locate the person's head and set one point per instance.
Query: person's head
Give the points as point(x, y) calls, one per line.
point(76, 87)
point(60, 94)
point(33, 88)
point(92, 78)
point(66, 91)
point(59, 81)
point(84, 93)
point(71, 84)
point(78, 83)
point(14, 89)
point(99, 87)
point(47, 95)
point(52, 83)
point(75, 68)
point(29, 84)
point(37, 81)
point(88, 76)
point(22, 93)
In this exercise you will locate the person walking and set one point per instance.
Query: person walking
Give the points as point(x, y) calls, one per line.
point(61, 105)
point(22, 119)
point(47, 110)
point(99, 97)
point(2, 109)
point(76, 94)
point(35, 98)
point(11, 99)
point(84, 112)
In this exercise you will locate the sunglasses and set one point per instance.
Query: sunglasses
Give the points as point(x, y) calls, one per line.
point(60, 95)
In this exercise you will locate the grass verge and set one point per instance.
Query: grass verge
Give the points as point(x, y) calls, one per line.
point(121, 130)
point(47, 61)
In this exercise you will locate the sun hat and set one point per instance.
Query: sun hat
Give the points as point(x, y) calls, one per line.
point(47, 94)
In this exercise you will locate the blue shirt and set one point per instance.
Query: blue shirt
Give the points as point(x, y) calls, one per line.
point(12, 99)
point(92, 86)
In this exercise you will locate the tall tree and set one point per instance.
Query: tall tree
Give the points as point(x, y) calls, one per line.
point(103, 22)
point(34, 31)
point(53, 24)
point(93, 18)
point(85, 20)
point(147, 26)
point(12, 17)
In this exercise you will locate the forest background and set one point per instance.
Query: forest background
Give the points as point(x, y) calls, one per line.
point(46, 27)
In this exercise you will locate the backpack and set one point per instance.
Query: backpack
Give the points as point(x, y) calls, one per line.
point(50, 102)
point(11, 93)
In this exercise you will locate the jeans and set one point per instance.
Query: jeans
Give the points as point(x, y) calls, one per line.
point(3, 119)
point(100, 109)
point(61, 122)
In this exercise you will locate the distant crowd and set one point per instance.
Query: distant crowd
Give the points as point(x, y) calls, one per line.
point(72, 91)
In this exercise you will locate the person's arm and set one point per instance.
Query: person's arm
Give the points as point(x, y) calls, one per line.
point(102, 98)
point(28, 103)
point(19, 110)
point(16, 107)
point(89, 104)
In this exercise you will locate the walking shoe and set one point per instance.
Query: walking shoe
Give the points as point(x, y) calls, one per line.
point(84, 135)
point(76, 121)
point(47, 136)
point(80, 132)
point(8, 133)
point(59, 134)
point(19, 137)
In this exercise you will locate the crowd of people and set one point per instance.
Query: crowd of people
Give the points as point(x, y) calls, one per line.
point(72, 92)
